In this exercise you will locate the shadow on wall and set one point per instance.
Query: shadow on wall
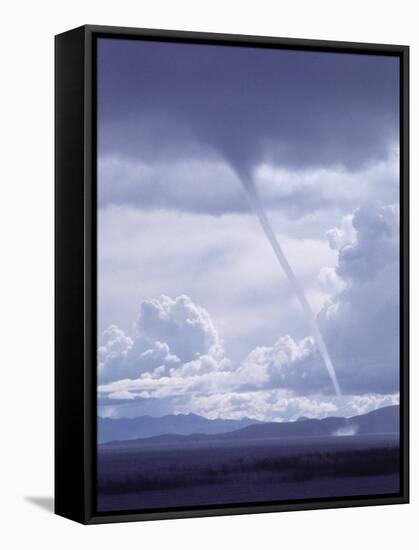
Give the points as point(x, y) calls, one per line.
point(46, 503)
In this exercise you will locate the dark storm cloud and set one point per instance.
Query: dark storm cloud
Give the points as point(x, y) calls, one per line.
point(297, 109)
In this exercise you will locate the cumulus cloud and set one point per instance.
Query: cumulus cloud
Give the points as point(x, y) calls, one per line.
point(278, 365)
point(265, 405)
point(186, 328)
point(375, 246)
point(112, 352)
point(137, 357)
point(362, 322)
point(279, 405)
point(172, 336)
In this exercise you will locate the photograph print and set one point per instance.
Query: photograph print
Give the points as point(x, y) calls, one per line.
point(248, 262)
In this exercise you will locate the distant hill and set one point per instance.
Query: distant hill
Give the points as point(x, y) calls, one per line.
point(122, 429)
point(380, 421)
point(384, 420)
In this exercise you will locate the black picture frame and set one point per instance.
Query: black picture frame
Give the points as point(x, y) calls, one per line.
point(75, 271)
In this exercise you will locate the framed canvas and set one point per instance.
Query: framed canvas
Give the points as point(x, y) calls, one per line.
point(231, 274)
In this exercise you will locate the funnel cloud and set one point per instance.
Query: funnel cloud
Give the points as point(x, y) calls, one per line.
point(256, 203)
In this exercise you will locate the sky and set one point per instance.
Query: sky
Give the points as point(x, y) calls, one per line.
point(195, 315)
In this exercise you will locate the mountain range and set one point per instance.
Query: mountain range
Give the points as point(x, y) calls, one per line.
point(123, 429)
point(188, 428)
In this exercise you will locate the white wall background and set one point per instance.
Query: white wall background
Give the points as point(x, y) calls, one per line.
point(26, 275)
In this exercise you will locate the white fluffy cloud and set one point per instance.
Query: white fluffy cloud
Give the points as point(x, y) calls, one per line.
point(186, 328)
point(173, 337)
point(361, 323)
point(280, 405)
point(264, 405)
point(375, 246)
point(277, 365)
point(135, 358)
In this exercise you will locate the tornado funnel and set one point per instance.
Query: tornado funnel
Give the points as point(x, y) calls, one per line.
point(257, 207)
